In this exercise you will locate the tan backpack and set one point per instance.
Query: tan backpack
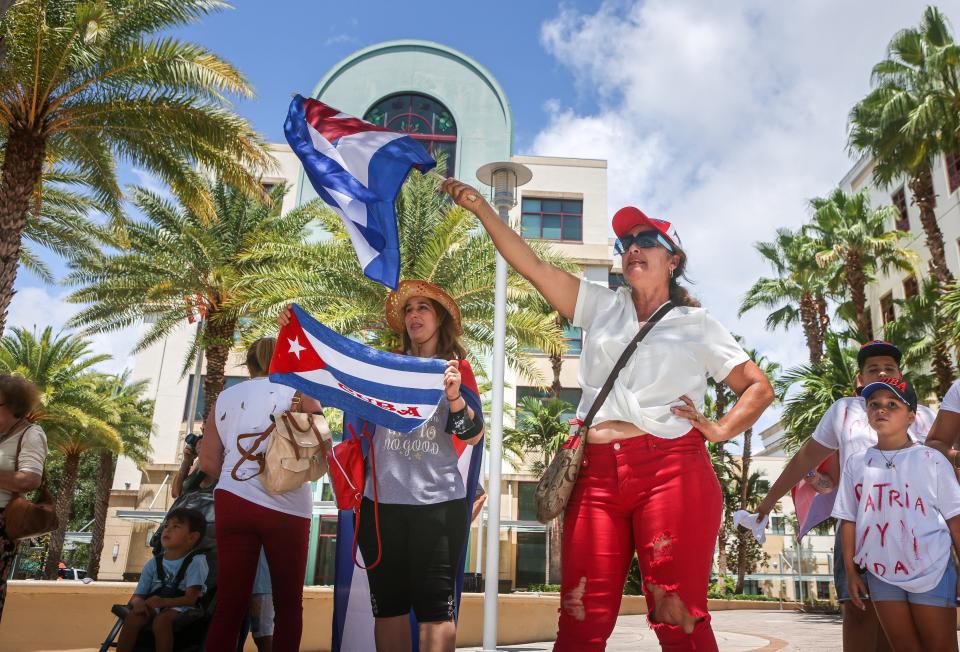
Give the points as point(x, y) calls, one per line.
point(296, 452)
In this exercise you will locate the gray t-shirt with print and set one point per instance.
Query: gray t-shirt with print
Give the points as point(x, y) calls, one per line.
point(418, 467)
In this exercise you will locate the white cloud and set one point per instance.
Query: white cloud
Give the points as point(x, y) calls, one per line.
point(725, 118)
point(35, 308)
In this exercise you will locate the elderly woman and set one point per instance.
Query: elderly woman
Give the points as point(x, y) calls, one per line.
point(23, 450)
point(646, 485)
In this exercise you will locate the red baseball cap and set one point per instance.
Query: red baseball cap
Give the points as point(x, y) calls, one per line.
point(628, 217)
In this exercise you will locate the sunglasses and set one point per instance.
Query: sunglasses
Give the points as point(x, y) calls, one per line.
point(644, 240)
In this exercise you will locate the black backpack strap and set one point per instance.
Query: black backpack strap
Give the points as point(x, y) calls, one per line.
point(161, 574)
point(184, 567)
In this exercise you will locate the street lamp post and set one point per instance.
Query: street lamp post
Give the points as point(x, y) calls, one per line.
point(503, 178)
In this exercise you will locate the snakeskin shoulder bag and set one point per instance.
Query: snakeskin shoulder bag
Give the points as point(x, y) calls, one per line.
point(556, 485)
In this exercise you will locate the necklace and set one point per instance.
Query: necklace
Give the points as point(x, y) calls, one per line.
point(889, 460)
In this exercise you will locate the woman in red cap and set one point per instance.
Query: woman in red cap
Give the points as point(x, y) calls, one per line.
point(646, 485)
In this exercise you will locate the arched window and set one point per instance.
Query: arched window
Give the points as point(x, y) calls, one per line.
point(422, 117)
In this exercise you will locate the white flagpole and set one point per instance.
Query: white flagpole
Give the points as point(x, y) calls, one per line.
point(504, 179)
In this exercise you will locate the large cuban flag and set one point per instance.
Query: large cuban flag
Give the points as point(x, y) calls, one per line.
point(397, 391)
point(357, 168)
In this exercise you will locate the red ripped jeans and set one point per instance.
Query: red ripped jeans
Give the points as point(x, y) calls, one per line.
point(659, 498)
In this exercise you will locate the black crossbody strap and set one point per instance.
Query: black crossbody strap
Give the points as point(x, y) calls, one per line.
point(622, 362)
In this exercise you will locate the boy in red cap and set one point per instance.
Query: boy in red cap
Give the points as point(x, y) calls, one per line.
point(845, 429)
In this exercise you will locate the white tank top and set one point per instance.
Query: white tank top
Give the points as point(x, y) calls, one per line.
point(246, 408)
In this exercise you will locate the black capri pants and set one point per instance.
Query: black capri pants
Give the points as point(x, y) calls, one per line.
point(422, 547)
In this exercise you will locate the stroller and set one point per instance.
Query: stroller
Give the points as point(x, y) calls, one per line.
point(190, 627)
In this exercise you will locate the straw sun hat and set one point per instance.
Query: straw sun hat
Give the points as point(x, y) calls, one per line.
point(397, 301)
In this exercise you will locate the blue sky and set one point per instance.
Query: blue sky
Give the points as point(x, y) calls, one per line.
point(724, 117)
point(286, 46)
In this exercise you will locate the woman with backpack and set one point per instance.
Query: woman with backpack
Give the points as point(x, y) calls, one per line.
point(248, 517)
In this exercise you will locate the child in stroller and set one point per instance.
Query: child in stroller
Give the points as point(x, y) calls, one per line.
point(170, 584)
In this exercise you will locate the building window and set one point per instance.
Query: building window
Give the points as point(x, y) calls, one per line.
point(615, 281)
point(886, 308)
point(952, 163)
point(573, 338)
point(229, 381)
point(424, 118)
point(899, 199)
point(823, 590)
point(778, 525)
point(910, 287)
point(526, 509)
point(751, 587)
point(552, 219)
point(571, 396)
point(531, 558)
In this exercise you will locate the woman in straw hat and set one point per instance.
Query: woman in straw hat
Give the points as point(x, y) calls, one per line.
point(646, 485)
point(423, 506)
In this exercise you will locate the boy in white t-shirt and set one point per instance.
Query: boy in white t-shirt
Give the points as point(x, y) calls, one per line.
point(899, 508)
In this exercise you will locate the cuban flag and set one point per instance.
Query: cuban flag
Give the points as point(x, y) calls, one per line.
point(397, 391)
point(352, 614)
point(357, 168)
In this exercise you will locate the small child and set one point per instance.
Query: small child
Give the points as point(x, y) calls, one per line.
point(170, 582)
point(899, 503)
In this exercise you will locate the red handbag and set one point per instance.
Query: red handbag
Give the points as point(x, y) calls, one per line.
point(348, 475)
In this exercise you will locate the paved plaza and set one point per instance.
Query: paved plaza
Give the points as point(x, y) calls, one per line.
point(737, 631)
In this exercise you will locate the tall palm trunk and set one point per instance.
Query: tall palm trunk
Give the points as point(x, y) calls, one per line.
point(857, 286)
point(744, 490)
point(19, 180)
point(811, 327)
point(725, 522)
point(823, 319)
point(101, 500)
point(218, 340)
point(942, 367)
point(68, 483)
point(921, 187)
point(555, 527)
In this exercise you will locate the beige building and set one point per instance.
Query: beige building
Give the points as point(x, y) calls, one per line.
point(898, 285)
point(565, 204)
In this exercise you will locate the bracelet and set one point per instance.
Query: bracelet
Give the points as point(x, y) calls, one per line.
point(451, 400)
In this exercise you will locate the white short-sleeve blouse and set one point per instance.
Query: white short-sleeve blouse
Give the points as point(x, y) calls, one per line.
point(674, 359)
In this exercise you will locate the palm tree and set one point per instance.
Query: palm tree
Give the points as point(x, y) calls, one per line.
point(75, 416)
point(855, 244)
point(175, 260)
point(134, 423)
point(102, 81)
point(439, 243)
point(715, 407)
point(746, 482)
point(745, 550)
point(541, 429)
point(797, 293)
point(820, 385)
point(910, 117)
point(921, 331)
